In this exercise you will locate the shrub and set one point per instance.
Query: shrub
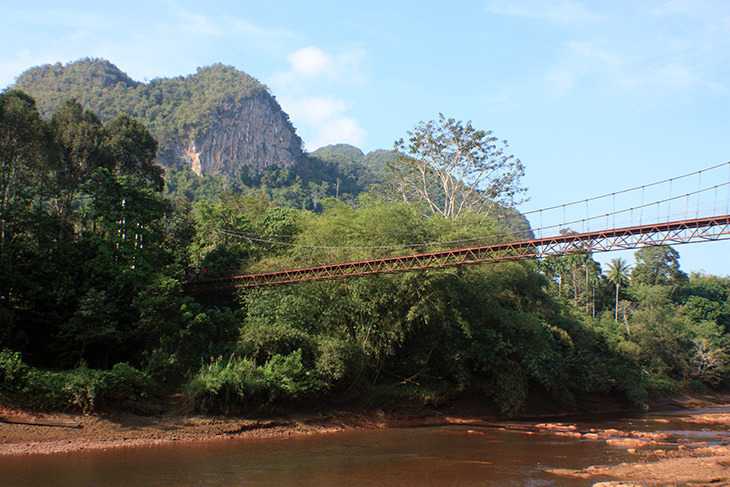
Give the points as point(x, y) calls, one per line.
point(121, 387)
point(238, 385)
point(13, 371)
point(225, 387)
point(81, 389)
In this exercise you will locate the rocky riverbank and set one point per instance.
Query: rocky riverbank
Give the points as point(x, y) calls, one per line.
point(661, 459)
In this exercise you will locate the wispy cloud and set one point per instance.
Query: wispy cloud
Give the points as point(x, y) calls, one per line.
point(616, 69)
point(266, 37)
point(200, 24)
point(172, 35)
point(189, 26)
point(311, 65)
point(558, 11)
point(73, 36)
point(668, 51)
point(196, 24)
point(178, 35)
point(658, 51)
point(321, 119)
point(671, 7)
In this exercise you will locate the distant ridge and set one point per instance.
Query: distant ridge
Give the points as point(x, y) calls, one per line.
point(217, 120)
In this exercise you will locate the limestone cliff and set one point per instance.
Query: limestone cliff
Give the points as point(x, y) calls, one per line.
point(256, 133)
point(218, 120)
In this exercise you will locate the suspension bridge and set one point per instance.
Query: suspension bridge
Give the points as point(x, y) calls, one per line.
point(694, 207)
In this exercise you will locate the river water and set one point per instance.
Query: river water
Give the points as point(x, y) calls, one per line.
point(477, 454)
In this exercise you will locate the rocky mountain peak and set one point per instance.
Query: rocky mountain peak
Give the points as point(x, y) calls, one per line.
point(217, 120)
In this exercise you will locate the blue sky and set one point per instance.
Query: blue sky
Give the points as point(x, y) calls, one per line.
point(593, 96)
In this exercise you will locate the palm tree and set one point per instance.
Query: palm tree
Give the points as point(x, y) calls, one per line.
point(618, 273)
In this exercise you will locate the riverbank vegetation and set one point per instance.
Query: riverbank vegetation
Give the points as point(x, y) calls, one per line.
point(92, 254)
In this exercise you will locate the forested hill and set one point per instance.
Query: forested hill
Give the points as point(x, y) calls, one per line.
point(338, 171)
point(218, 130)
point(216, 120)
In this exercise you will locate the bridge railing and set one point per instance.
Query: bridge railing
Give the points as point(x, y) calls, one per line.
point(702, 229)
point(697, 211)
point(694, 195)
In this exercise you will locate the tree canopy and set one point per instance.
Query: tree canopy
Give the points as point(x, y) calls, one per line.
point(454, 168)
point(657, 265)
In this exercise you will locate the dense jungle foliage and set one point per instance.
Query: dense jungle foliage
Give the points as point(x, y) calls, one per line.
point(92, 254)
point(338, 171)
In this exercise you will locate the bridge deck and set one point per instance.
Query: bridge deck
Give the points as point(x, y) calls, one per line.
point(679, 232)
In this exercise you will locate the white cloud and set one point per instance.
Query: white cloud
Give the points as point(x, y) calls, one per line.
point(311, 61)
point(311, 65)
point(322, 121)
point(342, 130)
point(316, 109)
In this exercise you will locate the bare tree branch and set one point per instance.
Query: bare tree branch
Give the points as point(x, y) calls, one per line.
point(454, 168)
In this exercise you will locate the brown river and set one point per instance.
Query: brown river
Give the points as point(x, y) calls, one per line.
point(520, 453)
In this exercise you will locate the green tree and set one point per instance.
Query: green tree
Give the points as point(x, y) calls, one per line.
point(618, 274)
point(673, 344)
point(25, 151)
point(85, 227)
point(81, 140)
point(126, 216)
point(222, 244)
point(25, 156)
point(593, 279)
point(175, 110)
point(93, 323)
point(133, 151)
point(657, 265)
point(455, 167)
point(555, 268)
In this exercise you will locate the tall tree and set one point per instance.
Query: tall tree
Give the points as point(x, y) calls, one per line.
point(618, 273)
point(81, 139)
point(454, 167)
point(658, 265)
point(24, 155)
point(133, 151)
point(124, 215)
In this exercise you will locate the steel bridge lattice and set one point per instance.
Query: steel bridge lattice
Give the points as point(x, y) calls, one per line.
point(693, 207)
point(695, 230)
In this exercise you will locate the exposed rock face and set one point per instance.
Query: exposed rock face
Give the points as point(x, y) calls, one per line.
point(218, 120)
point(256, 134)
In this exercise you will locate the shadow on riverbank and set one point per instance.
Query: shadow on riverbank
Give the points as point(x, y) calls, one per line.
point(25, 432)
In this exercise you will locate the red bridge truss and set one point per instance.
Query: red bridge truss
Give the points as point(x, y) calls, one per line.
point(679, 232)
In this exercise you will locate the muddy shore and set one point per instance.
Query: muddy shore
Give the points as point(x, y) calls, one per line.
point(125, 429)
point(657, 463)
